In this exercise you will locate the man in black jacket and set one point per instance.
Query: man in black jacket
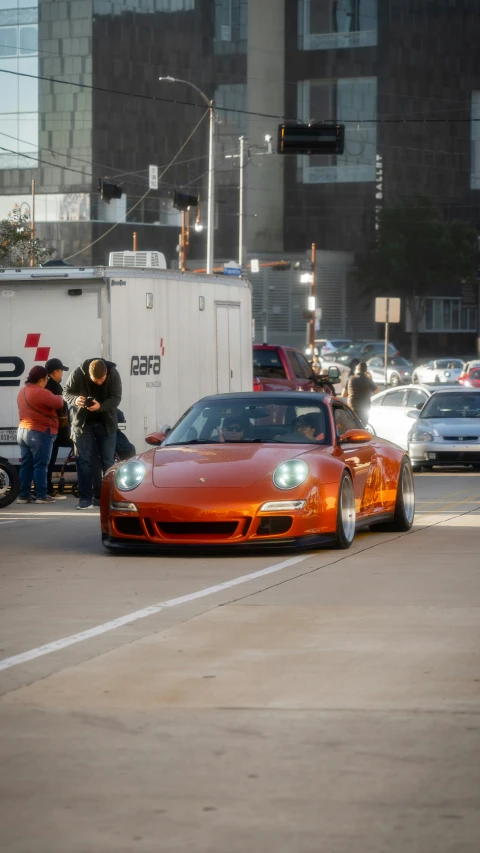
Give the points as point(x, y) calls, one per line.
point(55, 368)
point(93, 392)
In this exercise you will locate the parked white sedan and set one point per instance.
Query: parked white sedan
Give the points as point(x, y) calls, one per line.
point(389, 410)
point(447, 430)
point(443, 370)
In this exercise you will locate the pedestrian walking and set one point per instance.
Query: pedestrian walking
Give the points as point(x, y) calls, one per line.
point(55, 368)
point(93, 392)
point(38, 426)
point(359, 390)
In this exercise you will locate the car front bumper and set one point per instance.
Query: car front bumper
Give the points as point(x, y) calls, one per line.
point(444, 453)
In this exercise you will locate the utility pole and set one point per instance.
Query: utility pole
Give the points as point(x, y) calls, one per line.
point(32, 232)
point(313, 302)
point(240, 205)
point(184, 239)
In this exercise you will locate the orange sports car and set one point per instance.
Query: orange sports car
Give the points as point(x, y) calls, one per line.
point(256, 469)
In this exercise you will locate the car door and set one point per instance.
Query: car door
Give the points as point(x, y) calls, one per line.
point(302, 383)
point(361, 458)
point(375, 369)
point(386, 417)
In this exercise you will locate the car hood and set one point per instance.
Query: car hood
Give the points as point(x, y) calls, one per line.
point(451, 427)
point(223, 465)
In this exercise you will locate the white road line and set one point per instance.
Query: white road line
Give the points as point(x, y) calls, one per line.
point(13, 520)
point(57, 645)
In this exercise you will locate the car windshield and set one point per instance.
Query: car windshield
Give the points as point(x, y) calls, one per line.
point(244, 419)
point(453, 405)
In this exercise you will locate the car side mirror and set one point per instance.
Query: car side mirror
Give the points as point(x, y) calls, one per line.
point(156, 438)
point(355, 436)
point(419, 406)
point(333, 374)
point(413, 414)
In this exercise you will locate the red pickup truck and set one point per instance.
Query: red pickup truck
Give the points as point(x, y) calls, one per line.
point(278, 368)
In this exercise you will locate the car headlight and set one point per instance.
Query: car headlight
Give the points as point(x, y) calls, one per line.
point(290, 474)
point(420, 435)
point(129, 475)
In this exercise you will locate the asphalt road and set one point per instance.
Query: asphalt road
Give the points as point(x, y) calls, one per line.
point(326, 702)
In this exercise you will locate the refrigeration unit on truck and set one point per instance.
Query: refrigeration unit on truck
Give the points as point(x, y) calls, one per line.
point(175, 337)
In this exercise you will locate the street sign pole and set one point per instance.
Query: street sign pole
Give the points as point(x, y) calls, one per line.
point(385, 358)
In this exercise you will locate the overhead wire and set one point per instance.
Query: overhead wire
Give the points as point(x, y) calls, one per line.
point(276, 116)
point(124, 217)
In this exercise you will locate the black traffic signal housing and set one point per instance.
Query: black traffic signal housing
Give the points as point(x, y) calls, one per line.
point(109, 191)
point(311, 139)
point(182, 201)
point(308, 315)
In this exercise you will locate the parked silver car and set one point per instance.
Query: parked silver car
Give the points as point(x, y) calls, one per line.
point(446, 431)
point(399, 370)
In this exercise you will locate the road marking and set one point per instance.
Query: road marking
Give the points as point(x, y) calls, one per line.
point(57, 645)
point(32, 515)
point(13, 520)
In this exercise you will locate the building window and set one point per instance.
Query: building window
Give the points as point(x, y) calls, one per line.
point(448, 315)
point(231, 26)
point(350, 100)
point(475, 138)
point(326, 24)
point(119, 7)
point(19, 100)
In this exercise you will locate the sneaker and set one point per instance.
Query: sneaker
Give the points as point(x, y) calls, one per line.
point(84, 504)
point(47, 500)
point(58, 497)
point(26, 500)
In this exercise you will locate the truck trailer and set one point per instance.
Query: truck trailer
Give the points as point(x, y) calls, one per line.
point(174, 337)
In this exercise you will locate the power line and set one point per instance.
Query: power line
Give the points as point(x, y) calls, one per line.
point(158, 99)
point(123, 219)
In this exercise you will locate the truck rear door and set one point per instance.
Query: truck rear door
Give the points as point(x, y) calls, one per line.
point(41, 320)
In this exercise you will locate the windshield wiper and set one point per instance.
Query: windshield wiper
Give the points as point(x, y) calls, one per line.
point(192, 441)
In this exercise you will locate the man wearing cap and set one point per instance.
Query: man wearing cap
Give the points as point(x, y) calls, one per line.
point(55, 368)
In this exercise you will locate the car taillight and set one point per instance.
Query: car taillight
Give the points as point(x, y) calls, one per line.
point(257, 385)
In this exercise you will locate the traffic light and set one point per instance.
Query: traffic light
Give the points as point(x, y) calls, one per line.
point(109, 191)
point(281, 266)
point(308, 315)
point(311, 139)
point(182, 201)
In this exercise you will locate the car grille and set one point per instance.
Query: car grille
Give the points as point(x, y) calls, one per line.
point(457, 456)
point(460, 437)
point(197, 528)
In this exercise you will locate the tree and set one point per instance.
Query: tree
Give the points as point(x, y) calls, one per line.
point(415, 253)
point(17, 248)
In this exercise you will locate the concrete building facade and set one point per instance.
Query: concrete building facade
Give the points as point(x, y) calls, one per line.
point(82, 102)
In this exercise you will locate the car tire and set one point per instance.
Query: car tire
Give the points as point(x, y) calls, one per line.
point(346, 516)
point(404, 505)
point(394, 380)
point(9, 483)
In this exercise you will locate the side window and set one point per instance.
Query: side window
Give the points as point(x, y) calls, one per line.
point(414, 397)
point(295, 365)
point(345, 420)
point(395, 398)
point(304, 365)
point(376, 362)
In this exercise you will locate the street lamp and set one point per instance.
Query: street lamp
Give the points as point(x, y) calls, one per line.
point(210, 199)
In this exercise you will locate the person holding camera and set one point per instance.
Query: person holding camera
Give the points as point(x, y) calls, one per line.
point(93, 392)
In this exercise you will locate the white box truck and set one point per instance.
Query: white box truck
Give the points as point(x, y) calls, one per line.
point(174, 337)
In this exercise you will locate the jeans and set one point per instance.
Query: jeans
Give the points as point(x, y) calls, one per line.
point(53, 458)
point(35, 451)
point(95, 450)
